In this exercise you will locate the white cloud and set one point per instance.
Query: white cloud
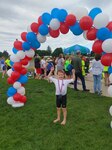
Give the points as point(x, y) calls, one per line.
point(16, 15)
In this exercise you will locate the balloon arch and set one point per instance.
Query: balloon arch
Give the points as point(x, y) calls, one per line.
point(94, 25)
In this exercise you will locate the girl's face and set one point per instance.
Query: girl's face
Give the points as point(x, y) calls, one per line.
point(61, 75)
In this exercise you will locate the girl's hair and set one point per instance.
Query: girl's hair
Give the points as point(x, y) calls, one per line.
point(60, 71)
point(97, 57)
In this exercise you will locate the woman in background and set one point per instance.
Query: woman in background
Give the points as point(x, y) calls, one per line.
point(97, 69)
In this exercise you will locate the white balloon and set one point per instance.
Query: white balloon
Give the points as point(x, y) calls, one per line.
point(30, 53)
point(111, 124)
point(107, 46)
point(41, 38)
point(54, 24)
point(80, 12)
point(110, 90)
point(9, 72)
point(110, 78)
point(29, 29)
point(101, 20)
point(17, 85)
point(17, 104)
point(110, 110)
point(10, 100)
point(21, 90)
point(14, 58)
point(20, 54)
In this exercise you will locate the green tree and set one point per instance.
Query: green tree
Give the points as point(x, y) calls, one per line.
point(42, 52)
point(57, 51)
point(49, 49)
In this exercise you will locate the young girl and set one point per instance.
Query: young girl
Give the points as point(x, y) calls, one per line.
point(61, 93)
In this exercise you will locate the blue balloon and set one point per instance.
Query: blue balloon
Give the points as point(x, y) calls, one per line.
point(69, 67)
point(46, 18)
point(11, 63)
point(94, 12)
point(110, 70)
point(35, 44)
point(43, 30)
point(55, 13)
point(31, 36)
point(103, 33)
point(76, 29)
point(23, 79)
point(62, 15)
point(26, 46)
point(11, 91)
point(14, 50)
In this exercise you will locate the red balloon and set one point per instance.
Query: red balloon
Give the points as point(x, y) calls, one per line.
point(15, 75)
point(106, 59)
point(28, 58)
point(18, 45)
point(17, 97)
point(54, 33)
point(34, 27)
point(64, 28)
point(109, 26)
point(24, 61)
point(17, 66)
point(40, 20)
point(86, 23)
point(23, 71)
point(23, 36)
point(97, 47)
point(23, 99)
point(91, 34)
point(10, 80)
point(70, 20)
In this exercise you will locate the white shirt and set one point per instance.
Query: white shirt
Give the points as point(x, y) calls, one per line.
point(97, 67)
point(61, 85)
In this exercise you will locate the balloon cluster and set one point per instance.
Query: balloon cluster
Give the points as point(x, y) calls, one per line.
point(94, 25)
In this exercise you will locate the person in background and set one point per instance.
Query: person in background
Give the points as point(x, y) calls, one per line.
point(77, 65)
point(61, 93)
point(43, 66)
point(87, 64)
point(49, 65)
point(66, 66)
point(106, 75)
point(60, 62)
point(3, 67)
point(37, 66)
point(97, 69)
point(7, 62)
point(83, 65)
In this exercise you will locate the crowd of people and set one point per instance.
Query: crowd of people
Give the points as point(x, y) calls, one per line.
point(64, 70)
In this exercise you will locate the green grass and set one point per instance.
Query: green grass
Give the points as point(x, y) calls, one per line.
point(31, 128)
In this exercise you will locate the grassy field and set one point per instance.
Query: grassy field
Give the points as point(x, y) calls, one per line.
point(31, 127)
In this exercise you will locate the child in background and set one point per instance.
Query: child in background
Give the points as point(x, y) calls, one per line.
point(61, 93)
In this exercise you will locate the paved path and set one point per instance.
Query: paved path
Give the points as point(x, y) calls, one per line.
point(89, 85)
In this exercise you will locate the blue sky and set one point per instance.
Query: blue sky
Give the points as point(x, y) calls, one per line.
point(16, 15)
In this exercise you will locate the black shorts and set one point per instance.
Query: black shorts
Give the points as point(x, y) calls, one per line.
point(61, 101)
